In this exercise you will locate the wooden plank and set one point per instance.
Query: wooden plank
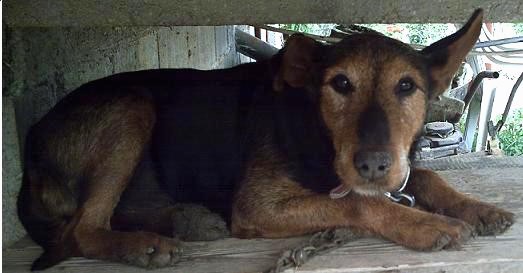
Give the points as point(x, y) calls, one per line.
point(187, 47)
point(167, 37)
point(500, 186)
point(181, 51)
point(205, 47)
point(504, 253)
point(233, 58)
point(141, 53)
point(226, 255)
point(221, 46)
point(192, 43)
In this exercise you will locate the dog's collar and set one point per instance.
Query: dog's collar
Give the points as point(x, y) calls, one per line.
point(398, 195)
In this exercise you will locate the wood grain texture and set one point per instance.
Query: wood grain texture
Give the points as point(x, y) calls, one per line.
point(504, 253)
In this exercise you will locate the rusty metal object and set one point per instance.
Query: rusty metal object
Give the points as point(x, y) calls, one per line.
point(473, 87)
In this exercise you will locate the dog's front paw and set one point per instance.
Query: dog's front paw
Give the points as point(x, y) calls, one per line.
point(448, 233)
point(151, 251)
point(434, 232)
point(485, 218)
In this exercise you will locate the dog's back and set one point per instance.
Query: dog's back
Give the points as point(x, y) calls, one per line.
point(191, 122)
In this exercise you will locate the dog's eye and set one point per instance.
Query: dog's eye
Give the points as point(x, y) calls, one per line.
point(406, 86)
point(341, 84)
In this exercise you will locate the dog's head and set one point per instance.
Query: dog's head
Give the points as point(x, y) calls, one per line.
point(373, 93)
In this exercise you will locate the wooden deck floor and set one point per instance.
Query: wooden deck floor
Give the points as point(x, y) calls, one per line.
point(502, 185)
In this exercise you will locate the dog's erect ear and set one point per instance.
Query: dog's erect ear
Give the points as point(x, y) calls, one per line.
point(446, 55)
point(297, 62)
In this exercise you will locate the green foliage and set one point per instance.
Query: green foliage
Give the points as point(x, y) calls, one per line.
point(421, 34)
point(518, 27)
point(463, 121)
point(386, 29)
point(511, 135)
point(318, 29)
point(425, 34)
point(297, 27)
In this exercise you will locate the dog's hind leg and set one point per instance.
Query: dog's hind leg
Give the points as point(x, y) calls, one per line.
point(98, 149)
point(116, 162)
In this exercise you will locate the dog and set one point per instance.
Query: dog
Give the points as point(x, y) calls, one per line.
point(316, 137)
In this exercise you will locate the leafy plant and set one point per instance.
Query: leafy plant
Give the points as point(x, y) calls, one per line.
point(518, 27)
point(318, 29)
point(420, 34)
point(425, 34)
point(511, 135)
point(297, 27)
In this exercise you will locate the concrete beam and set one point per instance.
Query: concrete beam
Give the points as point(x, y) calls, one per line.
point(50, 13)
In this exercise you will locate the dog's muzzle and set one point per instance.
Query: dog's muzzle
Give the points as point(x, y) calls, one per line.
point(396, 196)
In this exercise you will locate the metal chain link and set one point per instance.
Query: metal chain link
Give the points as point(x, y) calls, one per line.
point(319, 243)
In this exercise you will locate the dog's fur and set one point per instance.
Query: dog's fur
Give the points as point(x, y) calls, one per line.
point(262, 144)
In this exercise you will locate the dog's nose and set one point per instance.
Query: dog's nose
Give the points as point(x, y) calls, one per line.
point(372, 165)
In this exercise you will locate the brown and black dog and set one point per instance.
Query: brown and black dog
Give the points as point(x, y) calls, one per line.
point(308, 140)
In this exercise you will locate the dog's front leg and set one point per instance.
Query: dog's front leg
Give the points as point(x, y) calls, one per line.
point(432, 192)
point(281, 208)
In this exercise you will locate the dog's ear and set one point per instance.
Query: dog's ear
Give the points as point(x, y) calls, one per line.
point(297, 62)
point(446, 55)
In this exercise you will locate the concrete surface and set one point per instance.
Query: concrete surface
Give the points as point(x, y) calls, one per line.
point(46, 13)
point(11, 175)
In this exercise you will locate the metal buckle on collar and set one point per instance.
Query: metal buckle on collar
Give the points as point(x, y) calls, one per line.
point(397, 196)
